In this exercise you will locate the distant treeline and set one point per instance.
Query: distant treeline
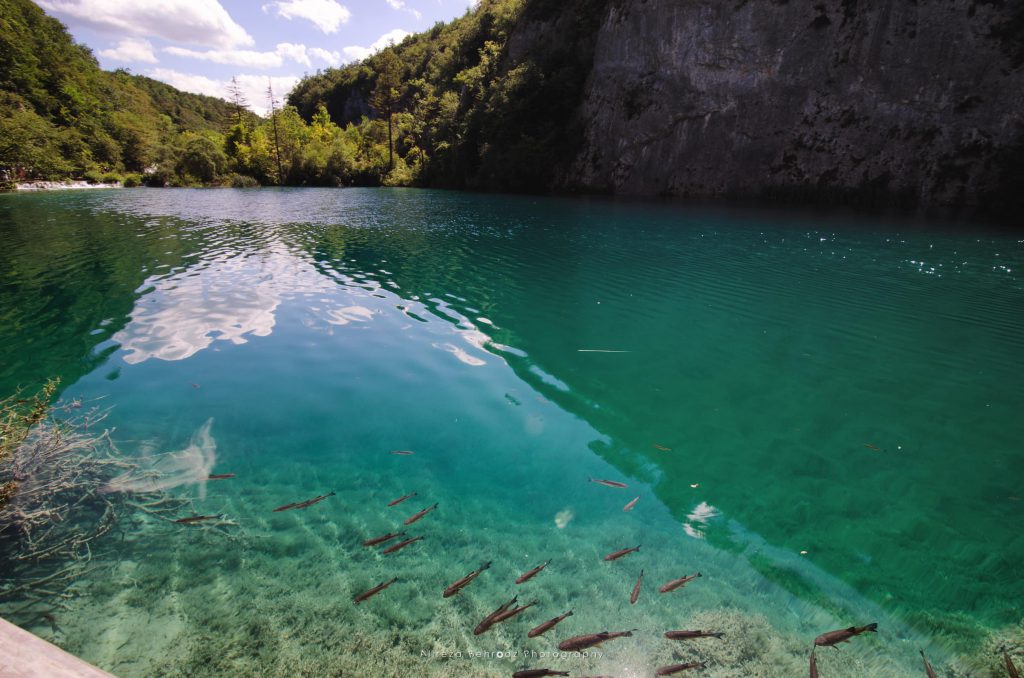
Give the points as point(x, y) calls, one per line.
point(447, 107)
point(63, 117)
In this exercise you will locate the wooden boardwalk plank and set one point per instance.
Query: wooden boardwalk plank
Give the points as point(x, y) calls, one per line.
point(23, 655)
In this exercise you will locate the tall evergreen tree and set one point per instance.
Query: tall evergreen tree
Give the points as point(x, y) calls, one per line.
point(277, 138)
point(386, 94)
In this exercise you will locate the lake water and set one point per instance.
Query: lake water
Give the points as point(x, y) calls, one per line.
point(820, 414)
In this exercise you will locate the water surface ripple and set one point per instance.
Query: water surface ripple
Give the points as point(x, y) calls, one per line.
point(820, 414)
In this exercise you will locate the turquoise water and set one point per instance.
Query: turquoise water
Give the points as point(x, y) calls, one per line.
point(819, 413)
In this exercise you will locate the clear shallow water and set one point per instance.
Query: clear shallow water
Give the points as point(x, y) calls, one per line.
point(847, 389)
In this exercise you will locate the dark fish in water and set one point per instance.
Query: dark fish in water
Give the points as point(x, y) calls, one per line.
point(814, 665)
point(462, 583)
point(538, 673)
point(547, 626)
point(927, 667)
point(220, 476)
point(488, 621)
point(314, 500)
point(662, 448)
point(621, 552)
point(412, 519)
point(679, 668)
point(636, 589)
point(591, 640)
point(194, 385)
point(508, 614)
point(608, 483)
point(195, 519)
point(631, 504)
point(303, 504)
point(400, 545)
point(374, 591)
point(872, 447)
point(532, 573)
point(401, 499)
point(382, 539)
point(689, 635)
point(1010, 668)
point(843, 635)
point(403, 453)
point(677, 583)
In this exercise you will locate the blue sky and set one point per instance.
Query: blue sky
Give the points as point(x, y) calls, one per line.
point(199, 45)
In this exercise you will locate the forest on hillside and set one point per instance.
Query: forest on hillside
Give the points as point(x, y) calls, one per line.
point(444, 108)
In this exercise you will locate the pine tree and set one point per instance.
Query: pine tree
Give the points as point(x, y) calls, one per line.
point(384, 98)
point(237, 98)
point(277, 141)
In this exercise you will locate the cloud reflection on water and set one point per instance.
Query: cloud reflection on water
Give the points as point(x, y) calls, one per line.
point(226, 299)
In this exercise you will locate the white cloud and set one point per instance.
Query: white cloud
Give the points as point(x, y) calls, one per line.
point(331, 58)
point(254, 87)
point(356, 53)
point(294, 52)
point(327, 15)
point(247, 57)
point(238, 57)
point(131, 49)
point(400, 5)
point(197, 22)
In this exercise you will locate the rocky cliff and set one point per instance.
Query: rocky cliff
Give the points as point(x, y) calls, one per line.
point(880, 102)
point(917, 102)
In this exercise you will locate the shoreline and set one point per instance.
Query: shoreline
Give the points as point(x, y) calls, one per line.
point(61, 186)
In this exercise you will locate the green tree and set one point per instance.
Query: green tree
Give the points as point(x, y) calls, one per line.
point(202, 159)
point(386, 93)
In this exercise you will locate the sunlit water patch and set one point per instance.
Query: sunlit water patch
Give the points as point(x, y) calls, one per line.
point(820, 424)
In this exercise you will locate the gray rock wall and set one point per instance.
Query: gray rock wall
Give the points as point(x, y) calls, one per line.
point(892, 100)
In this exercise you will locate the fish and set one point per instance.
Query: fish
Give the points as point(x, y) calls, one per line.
point(1011, 670)
point(872, 447)
point(631, 504)
point(814, 665)
point(374, 591)
point(532, 573)
point(621, 552)
point(400, 545)
point(464, 582)
point(591, 640)
point(538, 673)
point(314, 500)
point(927, 667)
point(303, 504)
point(547, 626)
point(488, 621)
point(678, 668)
point(508, 614)
point(843, 635)
point(403, 453)
point(678, 583)
point(662, 448)
point(401, 499)
point(383, 538)
point(194, 384)
point(689, 635)
point(608, 483)
point(412, 519)
point(220, 476)
point(636, 589)
point(195, 519)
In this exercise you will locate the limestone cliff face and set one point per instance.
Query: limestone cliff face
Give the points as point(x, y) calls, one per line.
point(889, 100)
